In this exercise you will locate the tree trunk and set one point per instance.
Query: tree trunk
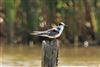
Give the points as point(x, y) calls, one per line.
point(10, 19)
point(49, 11)
point(87, 12)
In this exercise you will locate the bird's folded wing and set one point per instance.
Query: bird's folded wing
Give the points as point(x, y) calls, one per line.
point(38, 32)
point(50, 36)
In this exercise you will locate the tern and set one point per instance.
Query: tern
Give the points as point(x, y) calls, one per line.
point(52, 33)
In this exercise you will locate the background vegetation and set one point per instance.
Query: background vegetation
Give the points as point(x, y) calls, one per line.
point(20, 17)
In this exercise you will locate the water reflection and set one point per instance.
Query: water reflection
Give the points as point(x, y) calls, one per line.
point(25, 56)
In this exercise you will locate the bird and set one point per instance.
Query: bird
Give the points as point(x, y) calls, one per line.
point(52, 33)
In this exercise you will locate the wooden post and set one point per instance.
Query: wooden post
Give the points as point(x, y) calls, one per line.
point(50, 53)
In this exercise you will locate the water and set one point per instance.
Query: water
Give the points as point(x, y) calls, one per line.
point(30, 56)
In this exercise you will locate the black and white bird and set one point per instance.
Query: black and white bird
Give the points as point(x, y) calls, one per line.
point(52, 33)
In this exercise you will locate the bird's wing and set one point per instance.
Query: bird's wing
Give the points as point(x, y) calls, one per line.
point(47, 32)
point(38, 32)
point(50, 36)
point(42, 32)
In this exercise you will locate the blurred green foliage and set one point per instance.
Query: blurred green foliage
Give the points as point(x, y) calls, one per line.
point(24, 16)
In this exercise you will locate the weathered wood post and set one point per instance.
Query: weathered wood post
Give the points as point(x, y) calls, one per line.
point(50, 50)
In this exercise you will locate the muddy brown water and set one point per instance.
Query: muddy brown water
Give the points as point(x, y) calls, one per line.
point(30, 56)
